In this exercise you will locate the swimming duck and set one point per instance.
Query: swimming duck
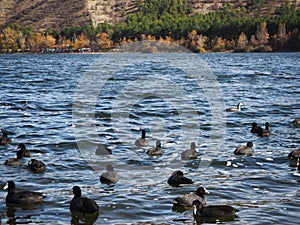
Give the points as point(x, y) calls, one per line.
point(245, 150)
point(15, 161)
point(142, 142)
point(186, 200)
point(237, 109)
point(24, 150)
point(177, 178)
point(103, 150)
point(110, 176)
point(36, 166)
point(156, 150)
point(296, 122)
point(255, 128)
point(190, 153)
point(4, 139)
point(294, 154)
point(264, 132)
point(22, 197)
point(82, 204)
point(213, 212)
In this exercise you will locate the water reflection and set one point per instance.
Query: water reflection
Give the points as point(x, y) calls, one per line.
point(81, 218)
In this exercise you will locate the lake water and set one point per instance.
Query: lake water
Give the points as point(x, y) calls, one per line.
point(62, 106)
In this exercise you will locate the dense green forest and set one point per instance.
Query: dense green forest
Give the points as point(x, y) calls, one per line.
point(168, 20)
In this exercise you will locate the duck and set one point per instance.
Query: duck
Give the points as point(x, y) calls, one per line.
point(36, 166)
point(103, 150)
point(186, 200)
point(190, 153)
point(82, 204)
point(155, 151)
point(110, 176)
point(142, 142)
point(294, 154)
point(245, 150)
point(255, 128)
point(22, 197)
point(298, 165)
point(24, 150)
point(177, 178)
point(15, 161)
point(237, 109)
point(264, 132)
point(213, 212)
point(4, 139)
point(296, 122)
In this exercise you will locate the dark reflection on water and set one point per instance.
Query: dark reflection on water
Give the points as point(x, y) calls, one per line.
point(36, 108)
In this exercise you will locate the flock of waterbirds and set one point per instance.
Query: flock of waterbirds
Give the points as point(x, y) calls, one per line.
point(86, 206)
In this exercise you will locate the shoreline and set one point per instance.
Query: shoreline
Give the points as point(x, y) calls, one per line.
point(110, 52)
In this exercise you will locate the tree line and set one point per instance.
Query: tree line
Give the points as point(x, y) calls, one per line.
point(171, 21)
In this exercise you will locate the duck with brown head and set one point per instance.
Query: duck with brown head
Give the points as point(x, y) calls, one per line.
point(296, 122)
point(4, 139)
point(155, 151)
point(24, 150)
point(245, 150)
point(36, 166)
point(265, 132)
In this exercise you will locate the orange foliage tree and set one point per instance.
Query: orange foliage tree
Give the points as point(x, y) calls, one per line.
point(104, 41)
point(81, 42)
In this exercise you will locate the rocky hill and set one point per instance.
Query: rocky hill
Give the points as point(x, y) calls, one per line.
point(59, 14)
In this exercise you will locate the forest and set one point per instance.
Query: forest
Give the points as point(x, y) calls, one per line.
point(227, 29)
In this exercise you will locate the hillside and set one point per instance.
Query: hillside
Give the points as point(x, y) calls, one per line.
point(59, 14)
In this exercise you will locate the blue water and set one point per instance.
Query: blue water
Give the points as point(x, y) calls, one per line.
point(62, 106)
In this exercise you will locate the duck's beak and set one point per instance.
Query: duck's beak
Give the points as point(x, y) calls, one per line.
point(5, 187)
point(206, 191)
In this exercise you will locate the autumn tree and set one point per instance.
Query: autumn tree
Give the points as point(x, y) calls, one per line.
point(39, 41)
point(242, 40)
point(262, 34)
point(81, 42)
point(49, 41)
point(35, 42)
point(22, 42)
point(218, 44)
point(282, 36)
point(104, 41)
point(9, 39)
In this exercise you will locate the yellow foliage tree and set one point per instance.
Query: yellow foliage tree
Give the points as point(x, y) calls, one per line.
point(22, 42)
point(9, 39)
point(242, 41)
point(262, 34)
point(81, 42)
point(36, 42)
point(49, 41)
point(104, 41)
point(218, 44)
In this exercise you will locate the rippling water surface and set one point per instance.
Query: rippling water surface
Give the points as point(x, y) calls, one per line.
point(62, 106)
